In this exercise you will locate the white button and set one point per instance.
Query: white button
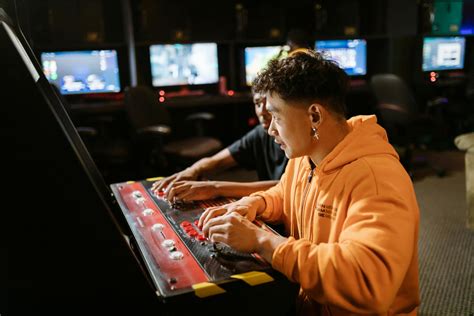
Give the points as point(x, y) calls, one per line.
point(168, 243)
point(157, 227)
point(140, 200)
point(148, 211)
point(137, 194)
point(176, 255)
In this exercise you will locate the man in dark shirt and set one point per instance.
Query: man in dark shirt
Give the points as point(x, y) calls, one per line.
point(255, 150)
point(258, 150)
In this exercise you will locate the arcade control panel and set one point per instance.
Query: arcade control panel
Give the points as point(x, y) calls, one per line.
point(179, 258)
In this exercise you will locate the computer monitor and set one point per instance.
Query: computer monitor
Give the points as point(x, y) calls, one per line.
point(349, 54)
point(82, 72)
point(443, 53)
point(184, 64)
point(256, 58)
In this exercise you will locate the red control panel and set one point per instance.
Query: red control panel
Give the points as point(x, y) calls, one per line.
point(172, 246)
point(169, 252)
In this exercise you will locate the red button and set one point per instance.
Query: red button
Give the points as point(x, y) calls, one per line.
point(201, 238)
point(188, 229)
point(193, 233)
point(185, 223)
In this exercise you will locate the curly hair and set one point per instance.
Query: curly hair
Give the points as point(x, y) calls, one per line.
point(305, 76)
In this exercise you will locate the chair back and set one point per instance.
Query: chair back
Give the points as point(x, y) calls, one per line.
point(143, 107)
point(395, 102)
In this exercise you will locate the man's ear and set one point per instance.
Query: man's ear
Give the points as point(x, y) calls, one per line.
point(315, 114)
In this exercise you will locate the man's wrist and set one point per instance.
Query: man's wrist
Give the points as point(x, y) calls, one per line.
point(268, 243)
point(217, 187)
point(204, 167)
point(261, 203)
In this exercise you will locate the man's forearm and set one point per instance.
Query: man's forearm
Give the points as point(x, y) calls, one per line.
point(241, 189)
point(220, 161)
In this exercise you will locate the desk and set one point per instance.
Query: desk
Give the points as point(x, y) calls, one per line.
point(98, 107)
point(171, 103)
point(206, 100)
point(231, 114)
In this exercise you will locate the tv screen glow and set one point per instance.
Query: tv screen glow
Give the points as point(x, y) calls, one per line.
point(82, 72)
point(257, 58)
point(184, 64)
point(443, 53)
point(349, 54)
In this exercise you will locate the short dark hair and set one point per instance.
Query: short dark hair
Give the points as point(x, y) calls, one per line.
point(305, 76)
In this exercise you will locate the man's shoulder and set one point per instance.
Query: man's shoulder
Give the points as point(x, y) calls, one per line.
point(258, 132)
point(377, 169)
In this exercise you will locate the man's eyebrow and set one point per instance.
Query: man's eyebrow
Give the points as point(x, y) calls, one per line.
point(271, 108)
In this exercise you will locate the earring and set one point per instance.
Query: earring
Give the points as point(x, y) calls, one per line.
point(315, 133)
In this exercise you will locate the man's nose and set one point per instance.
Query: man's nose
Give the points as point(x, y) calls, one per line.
point(271, 130)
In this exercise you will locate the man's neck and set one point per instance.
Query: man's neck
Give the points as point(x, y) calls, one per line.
point(330, 135)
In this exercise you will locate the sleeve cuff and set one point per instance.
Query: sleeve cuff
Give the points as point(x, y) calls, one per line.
point(278, 257)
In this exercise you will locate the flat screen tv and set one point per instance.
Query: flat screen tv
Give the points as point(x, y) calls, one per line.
point(82, 72)
point(443, 53)
point(349, 54)
point(256, 58)
point(184, 64)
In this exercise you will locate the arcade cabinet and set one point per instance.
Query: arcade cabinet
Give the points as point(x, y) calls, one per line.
point(72, 245)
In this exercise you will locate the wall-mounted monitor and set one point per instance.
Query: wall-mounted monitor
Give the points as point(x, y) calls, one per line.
point(82, 72)
point(349, 54)
point(256, 58)
point(443, 53)
point(184, 64)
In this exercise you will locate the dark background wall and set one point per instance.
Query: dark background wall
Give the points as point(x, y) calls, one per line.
point(394, 30)
point(390, 26)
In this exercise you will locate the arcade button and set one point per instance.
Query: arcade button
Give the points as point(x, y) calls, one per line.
point(137, 194)
point(148, 212)
point(157, 227)
point(176, 255)
point(168, 243)
point(185, 223)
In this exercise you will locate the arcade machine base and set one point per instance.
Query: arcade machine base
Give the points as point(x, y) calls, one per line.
point(186, 267)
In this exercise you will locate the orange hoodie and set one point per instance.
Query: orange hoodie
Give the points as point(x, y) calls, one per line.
point(353, 227)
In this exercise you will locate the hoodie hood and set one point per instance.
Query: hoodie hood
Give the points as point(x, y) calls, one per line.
point(366, 138)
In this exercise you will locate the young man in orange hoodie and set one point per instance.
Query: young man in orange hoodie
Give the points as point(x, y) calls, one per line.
point(347, 203)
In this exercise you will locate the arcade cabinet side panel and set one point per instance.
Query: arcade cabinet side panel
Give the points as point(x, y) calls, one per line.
point(65, 254)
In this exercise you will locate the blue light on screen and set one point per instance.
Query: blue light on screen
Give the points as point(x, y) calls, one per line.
point(443, 53)
point(184, 64)
point(257, 58)
point(349, 54)
point(82, 72)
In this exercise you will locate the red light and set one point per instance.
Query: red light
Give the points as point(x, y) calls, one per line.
point(433, 79)
point(162, 92)
point(230, 93)
point(161, 99)
point(432, 74)
point(252, 121)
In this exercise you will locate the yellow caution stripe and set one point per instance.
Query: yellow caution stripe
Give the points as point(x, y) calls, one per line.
point(130, 182)
point(206, 289)
point(253, 277)
point(154, 179)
